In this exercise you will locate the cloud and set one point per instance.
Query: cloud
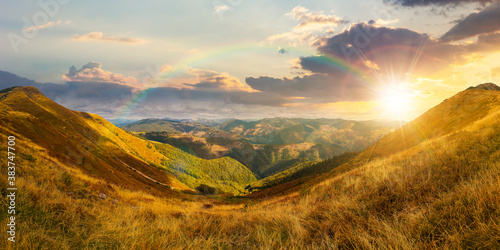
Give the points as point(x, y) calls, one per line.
point(185, 77)
point(485, 43)
point(220, 8)
point(495, 71)
point(485, 21)
point(216, 81)
point(412, 3)
point(314, 20)
point(383, 22)
point(44, 26)
point(99, 36)
point(313, 27)
point(92, 72)
point(282, 50)
point(392, 53)
point(317, 88)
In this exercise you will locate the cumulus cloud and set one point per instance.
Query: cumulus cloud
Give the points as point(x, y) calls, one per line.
point(99, 36)
point(485, 21)
point(92, 72)
point(313, 27)
point(313, 20)
point(219, 81)
point(412, 3)
point(185, 77)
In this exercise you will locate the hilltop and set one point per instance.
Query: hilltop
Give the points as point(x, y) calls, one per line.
point(486, 86)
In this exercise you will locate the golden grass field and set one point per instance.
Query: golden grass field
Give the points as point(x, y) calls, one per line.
point(442, 192)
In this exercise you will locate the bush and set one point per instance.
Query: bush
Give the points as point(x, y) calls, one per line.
point(206, 189)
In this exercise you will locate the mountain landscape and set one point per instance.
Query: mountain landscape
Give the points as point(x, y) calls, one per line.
point(250, 124)
point(415, 188)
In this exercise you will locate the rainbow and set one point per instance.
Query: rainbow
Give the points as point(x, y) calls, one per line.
point(230, 51)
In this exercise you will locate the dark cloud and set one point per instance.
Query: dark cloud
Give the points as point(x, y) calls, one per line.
point(317, 88)
point(486, 43)
point(485, 21)
point(412, 3)
point(376, 51)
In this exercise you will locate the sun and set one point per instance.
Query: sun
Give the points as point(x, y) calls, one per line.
point(395, 102)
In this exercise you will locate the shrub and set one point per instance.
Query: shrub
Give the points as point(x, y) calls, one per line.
point(206, 189)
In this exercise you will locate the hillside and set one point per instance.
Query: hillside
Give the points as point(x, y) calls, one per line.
point(452, 115)
point(100, 149)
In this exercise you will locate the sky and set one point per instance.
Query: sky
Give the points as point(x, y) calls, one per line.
point(361, 60)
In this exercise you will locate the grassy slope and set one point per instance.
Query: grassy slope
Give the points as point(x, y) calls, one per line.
point(443, 193)
point(298, 175)
point(451, 115)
